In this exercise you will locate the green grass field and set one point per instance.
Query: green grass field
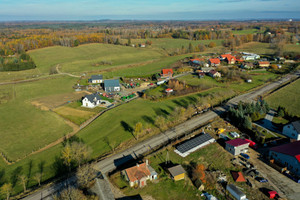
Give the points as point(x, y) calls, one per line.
point(24, 127)
point(245, 31)
point(83, 58)
point(287, 97)
point(264, 48)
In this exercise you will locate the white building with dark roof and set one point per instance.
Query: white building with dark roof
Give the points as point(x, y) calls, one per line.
point(292, 130)
point(91, 100)
point(96, 79)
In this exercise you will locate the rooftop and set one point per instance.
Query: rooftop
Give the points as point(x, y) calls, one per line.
point(96, 77)
point(292, 149)
point(237, 142)
point(167, 71)
point(93, 97)
point(194, 142)
point(176, 170)
point(112, 83)
point(296, 125)
point(137, 172)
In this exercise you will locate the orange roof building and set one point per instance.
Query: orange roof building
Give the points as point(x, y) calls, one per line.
point(214, 61)
point(238, 177)
point(167, 73)
point(139, 174)
point(230, 58)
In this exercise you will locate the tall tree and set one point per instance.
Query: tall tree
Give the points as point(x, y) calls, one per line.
point(138, 129)
point(23, 180)
point(6, 190)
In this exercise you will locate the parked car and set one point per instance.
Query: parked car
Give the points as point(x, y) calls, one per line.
point(245, 155)
point(261, 179)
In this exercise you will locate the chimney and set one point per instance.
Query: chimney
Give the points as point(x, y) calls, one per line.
point(147, 162)
point(137, 165)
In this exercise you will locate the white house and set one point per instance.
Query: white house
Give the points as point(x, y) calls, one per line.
point(91, 101)
point(96, 79)
point(292, 130)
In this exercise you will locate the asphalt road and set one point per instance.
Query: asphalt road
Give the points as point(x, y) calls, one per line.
point(111, 163)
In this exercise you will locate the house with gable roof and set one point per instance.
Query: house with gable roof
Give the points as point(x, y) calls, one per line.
point(292, 130)
point(91, 100)
point(96, 79)
point(112, 85)
point(167, 73)
point(214, 62)
point(287, 155)
point(139, 174)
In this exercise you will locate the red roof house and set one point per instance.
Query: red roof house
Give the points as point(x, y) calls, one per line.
point(167, 73)
point(139, 174)
point(229, 58)
point(264, 64)
point(169, 90)
point(214, 61)
point(238, 176)
point(237, 146)
point(213, 73)
point(288, 155)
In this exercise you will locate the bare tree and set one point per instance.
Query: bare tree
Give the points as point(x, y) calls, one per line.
point(38, 178)
point(23, 180)
point(160, 122)
point(85, 175)
point(138, 129)
point(70, 193)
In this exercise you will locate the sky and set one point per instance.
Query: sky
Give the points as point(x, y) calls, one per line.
point(11, 10)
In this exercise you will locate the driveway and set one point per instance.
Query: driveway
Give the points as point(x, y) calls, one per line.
point(285, 187)
point(267, 122)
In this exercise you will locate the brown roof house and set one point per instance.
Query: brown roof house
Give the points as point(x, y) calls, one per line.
point(238, 176)
point(139, 174)
point(177, 172)
point(263, 64)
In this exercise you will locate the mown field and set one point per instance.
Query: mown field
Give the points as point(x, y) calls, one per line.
point(287, 97)
point(24, 127)
point(264, 48)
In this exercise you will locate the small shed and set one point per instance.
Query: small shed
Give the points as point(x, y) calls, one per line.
point(177, 172)
point(238, 176)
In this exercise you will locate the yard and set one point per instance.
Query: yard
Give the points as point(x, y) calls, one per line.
point(287, 97)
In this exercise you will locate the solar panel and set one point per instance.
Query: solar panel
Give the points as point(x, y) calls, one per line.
point(194, 142)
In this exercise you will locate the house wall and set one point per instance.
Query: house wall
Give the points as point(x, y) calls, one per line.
point(237, 150)
point(86, 103)
point(112, 89)
point(290, 162)
point(96, 81)
point(291, 132)
point(179, 177)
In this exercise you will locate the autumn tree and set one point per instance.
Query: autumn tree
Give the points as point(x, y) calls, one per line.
point(160, 122)
point(199, 173)
point(138, 130)
point(212, 45)
point(6, 190)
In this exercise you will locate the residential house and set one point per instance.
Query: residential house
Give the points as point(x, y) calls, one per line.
point(214, 74)
point(237, 146)
point(91, 100)
point(167, 73)
point(250, 56)
point(177, 172)
point(292, 130)
point(247, 65)
point(196, 62)
point(287, 155)
point(195, 143)
point(142, 45)
point(230, 59)
point(139, 174)
point(112, 85)
point(201, 74)
point(96, 79)
point(214, 62)
point(264, 64)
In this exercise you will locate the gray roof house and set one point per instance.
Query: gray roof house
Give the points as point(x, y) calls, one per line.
point(96, 79)
point(292, 130)
point(112, 85)
point(91, 100)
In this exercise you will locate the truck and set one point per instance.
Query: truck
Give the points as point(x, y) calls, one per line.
point(235, 192)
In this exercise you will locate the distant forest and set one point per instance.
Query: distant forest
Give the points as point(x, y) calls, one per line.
point(19, 37)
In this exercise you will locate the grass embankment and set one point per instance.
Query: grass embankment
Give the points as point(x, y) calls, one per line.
point(287, 97)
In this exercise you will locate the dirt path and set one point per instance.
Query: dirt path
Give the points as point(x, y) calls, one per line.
point(68, 74)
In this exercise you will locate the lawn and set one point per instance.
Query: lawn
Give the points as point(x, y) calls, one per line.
point(212, 155)
point(24, 127)
point(287, 97)
point(258, 78)
point(85, 57)
point(245, 31)
point(264, 48)
point(117, 123)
